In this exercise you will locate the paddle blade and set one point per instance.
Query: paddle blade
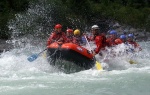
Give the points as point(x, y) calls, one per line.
point(32, 57)
point(98, 66)
point(44, 55)
point(132, 62)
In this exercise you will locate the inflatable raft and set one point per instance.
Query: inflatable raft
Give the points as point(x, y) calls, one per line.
point(70, 56)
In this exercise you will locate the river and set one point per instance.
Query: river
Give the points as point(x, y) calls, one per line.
point(18, 76)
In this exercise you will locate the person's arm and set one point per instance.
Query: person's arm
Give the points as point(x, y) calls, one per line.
point(108, 42)
point(118, 41)
point(65, 39)
point(51, 39)
point(62, 39)
point(137, 46)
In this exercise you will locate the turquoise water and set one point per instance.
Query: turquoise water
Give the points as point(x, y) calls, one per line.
point(20, 77)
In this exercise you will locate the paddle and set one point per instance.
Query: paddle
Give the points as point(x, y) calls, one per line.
point(97, 64)
point(34, 56)
point(131, 61)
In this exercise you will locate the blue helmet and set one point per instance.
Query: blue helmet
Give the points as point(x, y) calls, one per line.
point(122, 37)
point(113, 32)
point(130, 35)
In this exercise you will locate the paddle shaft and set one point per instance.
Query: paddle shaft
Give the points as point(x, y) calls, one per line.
point(97, 64)
point(88, 43)
point(89, 46)
point(42, 51)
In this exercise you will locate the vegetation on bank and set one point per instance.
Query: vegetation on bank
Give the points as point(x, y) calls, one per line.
point(8, 9)
point(131, 12)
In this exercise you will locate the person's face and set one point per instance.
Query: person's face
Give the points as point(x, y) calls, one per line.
point(69, 33)
point(93, 31)
point(113, 36)
point(58, 29)
point(130, 39)
point(124, 40)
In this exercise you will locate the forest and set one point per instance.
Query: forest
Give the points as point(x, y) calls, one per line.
point(135, 13)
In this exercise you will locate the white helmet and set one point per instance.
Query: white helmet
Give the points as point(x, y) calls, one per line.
point(95, 27)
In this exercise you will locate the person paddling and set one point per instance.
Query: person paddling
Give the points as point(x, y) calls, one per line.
point(98, 38)
point(121, 39)
point(133, 44)
point(77, 37)
point(69, 35)
point(57, 35)
point(111, 39)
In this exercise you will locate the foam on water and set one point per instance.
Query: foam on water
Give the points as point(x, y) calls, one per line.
point(18, 76)
point(16, 60)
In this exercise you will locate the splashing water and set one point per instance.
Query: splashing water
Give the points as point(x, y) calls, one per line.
point(21, 77)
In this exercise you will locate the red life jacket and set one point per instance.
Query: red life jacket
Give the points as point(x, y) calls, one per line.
point(133, 43)
point(60, 37)
point(118, 41)
point(100, 41)
point(77, 40)
point(111, 42)
point(69, 39)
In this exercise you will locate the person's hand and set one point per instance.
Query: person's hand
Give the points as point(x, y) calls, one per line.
point(93, 53)
point(140, 49)
point(83, 34)
point(100, 54)
point(60, 40)
point(60, 43)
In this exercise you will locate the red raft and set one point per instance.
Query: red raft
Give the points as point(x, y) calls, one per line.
point(76, 56)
